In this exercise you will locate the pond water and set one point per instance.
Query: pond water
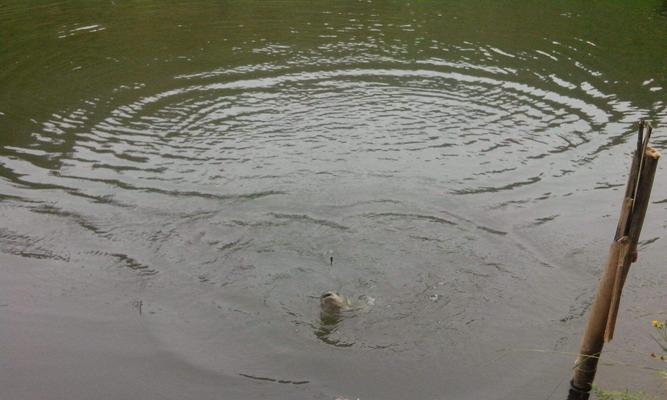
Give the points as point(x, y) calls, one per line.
point(462, 162)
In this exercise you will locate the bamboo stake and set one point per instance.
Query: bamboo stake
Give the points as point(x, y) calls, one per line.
point(643, 193)
point(633, 176)
point(646, 177)
point(592, 342)
point(622, 253)
point(622, 268)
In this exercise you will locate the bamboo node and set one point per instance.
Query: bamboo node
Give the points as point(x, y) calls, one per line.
point(653, 153)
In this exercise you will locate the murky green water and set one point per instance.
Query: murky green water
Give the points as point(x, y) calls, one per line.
point(461, 161)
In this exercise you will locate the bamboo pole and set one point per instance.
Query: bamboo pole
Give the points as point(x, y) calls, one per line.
point(622, 253)
point(622, 268)
point(646, 177)
point(592, 342)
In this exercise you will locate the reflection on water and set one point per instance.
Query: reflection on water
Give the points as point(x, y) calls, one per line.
point(218, 155)
point(327, 327)
point(335, 309)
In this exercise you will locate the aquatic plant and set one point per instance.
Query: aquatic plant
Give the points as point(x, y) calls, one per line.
point(661, 329)
point(661, 339)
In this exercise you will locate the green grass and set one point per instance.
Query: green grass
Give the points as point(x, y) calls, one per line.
point(601, 394)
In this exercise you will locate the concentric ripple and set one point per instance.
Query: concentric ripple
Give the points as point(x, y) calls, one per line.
point(219, 175)
point(245, 182)
point(211, 139)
